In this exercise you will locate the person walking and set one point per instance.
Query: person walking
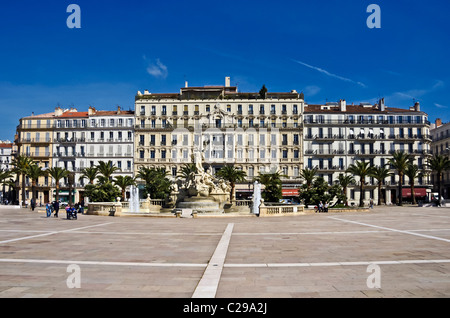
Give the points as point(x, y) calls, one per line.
point(320, 206)
point(56, 208)
point(48, 209)
point(325, 207)
point(33, 204)
point(371, 203)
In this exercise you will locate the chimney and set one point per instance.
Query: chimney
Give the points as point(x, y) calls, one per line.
point(382, 106)
point(438, 122)
point(91, 110)
point(185, 83)
point(417, 107)
point(118, 109)
point(58, 111)
point(227, 81)
point(342, 105)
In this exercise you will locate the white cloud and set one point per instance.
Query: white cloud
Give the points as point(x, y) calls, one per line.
point(330, 74)
point(157, 69)
point(440, 106)
point(311, 90)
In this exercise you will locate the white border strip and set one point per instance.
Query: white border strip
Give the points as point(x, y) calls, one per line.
point(51, 233)
point(393, 230)
point(207, 287)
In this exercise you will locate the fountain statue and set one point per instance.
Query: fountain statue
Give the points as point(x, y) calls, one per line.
point(202, 191)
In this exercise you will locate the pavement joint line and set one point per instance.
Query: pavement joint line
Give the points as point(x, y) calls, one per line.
point(51, 233)
point(207, 286)
point(227, 265)
point(103, 263)
point(393, 230)
point(325, 264)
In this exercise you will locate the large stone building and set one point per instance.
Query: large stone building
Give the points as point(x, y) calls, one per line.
point(75, 140)
point(34, 139)
point(256, 132)
point(336, 135)
point(440, 133)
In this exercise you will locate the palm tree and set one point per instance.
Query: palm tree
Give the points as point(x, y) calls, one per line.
point(123, 182)
point(57, 173)
point(412, 172)
point(187, 170)
point(380, 173)
point(89, 173)
point(233, 175)
point(345, 180)
point(106, 169)
point(272, 183)
point(21, 164)
point(439, 164)
point(156, 182)
point(308, 175)
point(34, 172)
point(4, 176)
point(361, 169)
point(400, 161)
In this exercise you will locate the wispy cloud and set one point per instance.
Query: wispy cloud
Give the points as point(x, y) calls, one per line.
point(157, 68)
point(440, 106)
point(416, 93)
point(311, 90)
point(321, 70)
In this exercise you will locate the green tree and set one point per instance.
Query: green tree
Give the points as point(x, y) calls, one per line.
point(21, 164)
point(232, 175)
point(439, 164)
point(262, 92)
point(412, 172)
point(6, 179)
point(123, 182)
point(361, 169)
point(400, 161)
point(273, 186)
point(380, 173)
point(157, 183)
point(102, 192)
point(89, 173)
point(34, 172)
point(57, 173)
point(306, 192)
point(187, 171)
point(105, 169)
point(345, 180)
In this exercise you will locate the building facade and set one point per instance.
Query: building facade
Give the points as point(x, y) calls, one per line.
point(34, 139)
point(75, 140)
point(337, 135)
point(254, 132)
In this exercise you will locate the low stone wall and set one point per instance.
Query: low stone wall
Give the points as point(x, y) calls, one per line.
point(105, 208)
point(281, 210)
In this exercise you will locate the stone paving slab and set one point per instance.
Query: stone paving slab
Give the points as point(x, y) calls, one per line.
point(314, 255)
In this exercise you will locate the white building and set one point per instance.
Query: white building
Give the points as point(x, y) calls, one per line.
point(83, 139)
point(254, 132)
point(336, 135)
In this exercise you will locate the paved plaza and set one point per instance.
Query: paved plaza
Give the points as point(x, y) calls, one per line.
point(386, 252)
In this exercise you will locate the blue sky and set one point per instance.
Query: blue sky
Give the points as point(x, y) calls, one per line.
point(323, 48)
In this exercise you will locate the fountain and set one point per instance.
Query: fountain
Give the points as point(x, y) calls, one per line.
point(202, 192)
point(256, 197)
point(134, 199)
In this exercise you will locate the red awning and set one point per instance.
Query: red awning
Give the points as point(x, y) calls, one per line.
point(289, 192)
point(418, 192)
